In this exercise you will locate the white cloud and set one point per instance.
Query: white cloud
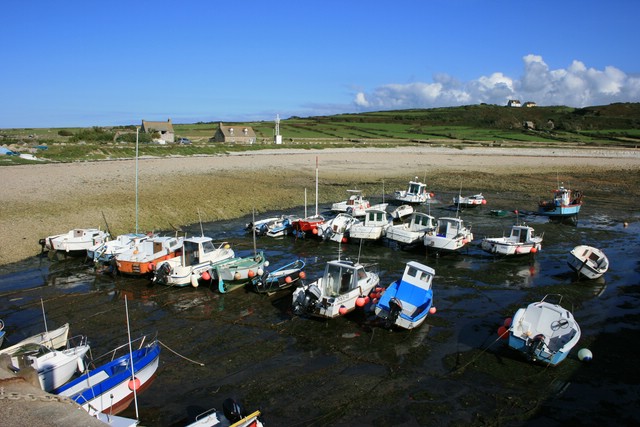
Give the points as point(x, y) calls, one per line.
point(576, 86)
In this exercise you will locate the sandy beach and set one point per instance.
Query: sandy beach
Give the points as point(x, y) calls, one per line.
point(45, 199)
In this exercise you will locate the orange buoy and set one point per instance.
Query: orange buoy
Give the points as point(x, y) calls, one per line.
point(360, 301)
point(432, 310)
point(250, 274)
point(206, 275)
point(134, 384)
point(507, 322)
point(503, 332)
point(287, 279)
point(152, 266)
point(534, 250)
point(314, 231)
point(342, 310)
point(484, 202)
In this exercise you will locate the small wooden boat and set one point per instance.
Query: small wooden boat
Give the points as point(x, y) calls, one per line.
point(415, 194)
point(143, 257)
point(343, 285)
point(407, 301)
point(469, 201)
point(544, 332)
point(281, 278)
point(588, 262)
point(234, 273)
point(412, 232)
point(372, 227)
point(51, 339)
point(521, 241)
point(337, 228)
point(449, 235)
point(54, 367)
point(198, 256)
point(75, 241)
point(232, 415)
point(110, 387)
point(565, 203)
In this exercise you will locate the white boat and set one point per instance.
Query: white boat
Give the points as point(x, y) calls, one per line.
point(261, 226)
point(336, 229)
point(449, 235)
point(110, 387)
point(232, 414)
point(415, 194)
point(521, 241)
point(104, 252)
point(282, 227)
point(372, 227)
point(52, 339)
point(195, 262)
point(544, 332)
point(407, 301)
point(336, 292)
point(54, 367)
point(413, 231)
point(355, 205)
point(402, 211)
point(75, 241)
point(469, 201)
point(141, 259)
point(588, 262)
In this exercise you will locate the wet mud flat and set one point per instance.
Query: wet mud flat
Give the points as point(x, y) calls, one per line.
point(453, 370)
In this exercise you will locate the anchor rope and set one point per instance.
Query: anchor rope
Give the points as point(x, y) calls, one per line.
point(179, 355)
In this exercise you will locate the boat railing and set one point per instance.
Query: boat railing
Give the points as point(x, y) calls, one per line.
point(114, 351)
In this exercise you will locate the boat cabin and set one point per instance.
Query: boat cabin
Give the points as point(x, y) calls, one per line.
point(341, 277)
point(449, 227)
point(521, 233)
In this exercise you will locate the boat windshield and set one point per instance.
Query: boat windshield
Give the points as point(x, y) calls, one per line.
point(338, 279)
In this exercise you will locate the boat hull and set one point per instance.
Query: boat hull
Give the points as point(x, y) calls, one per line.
point(53, 339)
point(588, 262)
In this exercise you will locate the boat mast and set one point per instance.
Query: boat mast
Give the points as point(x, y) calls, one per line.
point(133, 374)
point(137, 132)
point(316, 185)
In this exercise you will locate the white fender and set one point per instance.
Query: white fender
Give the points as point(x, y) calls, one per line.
point(194, 280)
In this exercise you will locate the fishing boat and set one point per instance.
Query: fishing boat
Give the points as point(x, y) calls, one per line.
point(588, 262)
point(372, 227)
point(355, 204)
point(110, 387)
point(450, 235)
point(343, 285)
point(407, 301)
point(469, 201)
point(415, 194)
point(54, 367)
point(104, 252)
point(74, 242)
point(281, 278)
point(233, 273)
point(565, 203)
point(261, 226)
point(309, 224)
point(51, 339)
point(521, 241)
point(198, 256)
point(544, 332)
point(412, 231)
point(282, 227)
point(142, 258)
point(336, 229)
point(232, 415)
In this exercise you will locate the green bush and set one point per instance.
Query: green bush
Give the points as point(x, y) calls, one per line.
point(65, 132)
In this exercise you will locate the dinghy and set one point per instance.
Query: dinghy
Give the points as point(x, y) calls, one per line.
point(232, 415)
point(544, 332)
point(52, 339)
point(588, 262)
point(469, 201)
point(281, 278)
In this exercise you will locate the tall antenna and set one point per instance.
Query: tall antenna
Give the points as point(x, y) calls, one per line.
point(137, 132)
point(316, 185)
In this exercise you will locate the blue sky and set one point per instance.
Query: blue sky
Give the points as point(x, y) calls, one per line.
point(86, 63)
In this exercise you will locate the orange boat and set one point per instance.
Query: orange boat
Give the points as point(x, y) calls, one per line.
point(143, 257)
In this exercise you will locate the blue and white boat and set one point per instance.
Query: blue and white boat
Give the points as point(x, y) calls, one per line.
point(110, 387)
point(407, 301)
point(565, 203)
point(281, 278)
point(2, 332)
point(544, 332)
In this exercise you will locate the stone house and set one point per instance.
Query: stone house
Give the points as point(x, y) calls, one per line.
point(234, 135)
point(514, 103)
point(165, 129)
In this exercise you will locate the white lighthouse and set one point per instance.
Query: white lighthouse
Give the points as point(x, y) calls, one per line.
point(277, 137)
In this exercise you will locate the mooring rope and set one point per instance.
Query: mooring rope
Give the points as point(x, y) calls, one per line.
point(178, 354)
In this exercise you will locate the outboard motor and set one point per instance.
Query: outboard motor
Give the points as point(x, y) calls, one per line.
point(233, 410)
point(395, 308)
point(535, 345)
point(307, 301)
point(161, 273)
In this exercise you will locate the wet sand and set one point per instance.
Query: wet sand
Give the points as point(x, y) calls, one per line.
point(41, 200)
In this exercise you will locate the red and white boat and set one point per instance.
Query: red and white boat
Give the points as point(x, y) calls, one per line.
point(142, 258)
point(309, 224)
